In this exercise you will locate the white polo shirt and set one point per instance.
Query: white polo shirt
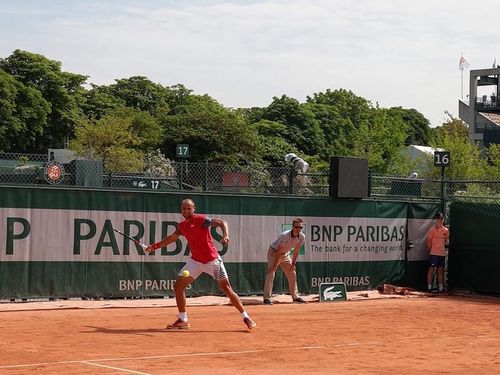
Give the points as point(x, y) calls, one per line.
point(285, 242)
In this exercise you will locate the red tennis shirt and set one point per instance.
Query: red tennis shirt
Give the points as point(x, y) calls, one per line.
point(197, 232)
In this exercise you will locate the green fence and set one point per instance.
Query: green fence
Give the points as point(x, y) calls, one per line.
point(61, 243)
point(474, 255)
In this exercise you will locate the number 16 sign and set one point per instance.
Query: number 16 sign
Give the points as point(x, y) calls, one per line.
point(441, 158)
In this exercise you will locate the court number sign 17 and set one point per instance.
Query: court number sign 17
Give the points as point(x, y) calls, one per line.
point(442, 158)
point(182, 151)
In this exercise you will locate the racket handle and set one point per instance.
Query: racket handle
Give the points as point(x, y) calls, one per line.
point(144, 247)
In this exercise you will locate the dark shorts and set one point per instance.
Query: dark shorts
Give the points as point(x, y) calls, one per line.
point(436, 261)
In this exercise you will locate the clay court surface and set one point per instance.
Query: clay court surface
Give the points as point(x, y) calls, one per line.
point(406, 335)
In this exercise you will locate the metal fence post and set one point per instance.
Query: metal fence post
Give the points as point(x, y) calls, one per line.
point(291, 177)
point(369, 183)
point(205, 180)
point(181, 182)
point(442, 190)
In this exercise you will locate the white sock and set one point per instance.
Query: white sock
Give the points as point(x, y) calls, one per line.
point(429, 286)
point(183, 316)
point(440, 287)
point(244, 315)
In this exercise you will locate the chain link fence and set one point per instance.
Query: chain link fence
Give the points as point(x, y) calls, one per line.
point(169, 176)
point(401, 188)
point(63, 169)
point(481, 197)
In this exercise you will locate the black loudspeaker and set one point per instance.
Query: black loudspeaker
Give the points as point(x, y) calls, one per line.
point(348, 177)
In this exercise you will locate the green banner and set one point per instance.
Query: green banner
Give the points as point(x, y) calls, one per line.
point(61, 243)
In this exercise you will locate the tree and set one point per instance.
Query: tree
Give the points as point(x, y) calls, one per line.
point(466, 157)
point(274, 145)
point(23, 115)
point(347, 104)
point(302, 129)
point(452, 127)
point(340, 113)
point(419, 132)
point(140, 93)
point(62, 90)
point(337, 129)
point(146, 128)
point(99, 102)
point(493, 168)
point(112, 140)
point(198, 103)
point(215, 134)
point(380, 139)
point(251, 115)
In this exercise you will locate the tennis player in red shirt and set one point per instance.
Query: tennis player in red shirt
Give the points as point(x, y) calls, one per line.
point(204, 258)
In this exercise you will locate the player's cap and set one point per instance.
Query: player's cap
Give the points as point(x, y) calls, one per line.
point(439, 215)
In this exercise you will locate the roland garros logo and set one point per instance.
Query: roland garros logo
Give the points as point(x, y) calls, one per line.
point(53, 172)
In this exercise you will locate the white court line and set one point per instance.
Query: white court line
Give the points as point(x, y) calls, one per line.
point(133, 358)
point(91, 361)
point(314, 347)
point(115, 368)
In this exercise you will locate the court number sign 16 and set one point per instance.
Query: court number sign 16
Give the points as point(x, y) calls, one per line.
point(182, 151)
point(442, 158)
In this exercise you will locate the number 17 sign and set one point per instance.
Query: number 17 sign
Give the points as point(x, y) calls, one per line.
point(182, 151)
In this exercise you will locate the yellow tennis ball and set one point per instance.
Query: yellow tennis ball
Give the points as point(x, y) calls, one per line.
point(185, 273)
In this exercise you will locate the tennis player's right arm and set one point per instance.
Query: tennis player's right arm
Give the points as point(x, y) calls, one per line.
point(164, 242)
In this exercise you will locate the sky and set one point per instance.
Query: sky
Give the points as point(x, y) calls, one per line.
point(243, 53)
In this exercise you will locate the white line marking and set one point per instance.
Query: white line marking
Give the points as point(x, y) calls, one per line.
point(115, 368)
point(133, 358)
point(91, 361)
point(41, 364)
point(176, 356)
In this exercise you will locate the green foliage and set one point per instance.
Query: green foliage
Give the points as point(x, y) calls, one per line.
point(99, 102)
point(454, 127)
point(123, 160)
point(23, 115)
point(466, 160)
point(112, 140)
point(198, 103)
point(380, 139)
point(336, 128)
point(402, 165)
point(42, 106)
point(146, 128)
point(251, 115)
point(179, 94)
point(140, 93)
point(493, 167)
point(273, 143)
point(213, 133)
point(419, 132)
point(348, 104)
point(62, 90)
point(302, 129)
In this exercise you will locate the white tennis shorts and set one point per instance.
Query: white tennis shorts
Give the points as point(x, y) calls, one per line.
point(215, 268)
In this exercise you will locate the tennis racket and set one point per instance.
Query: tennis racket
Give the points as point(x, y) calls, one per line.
point(137, 242)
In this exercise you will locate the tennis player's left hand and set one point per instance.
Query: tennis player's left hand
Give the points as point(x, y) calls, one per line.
point(225, 240)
